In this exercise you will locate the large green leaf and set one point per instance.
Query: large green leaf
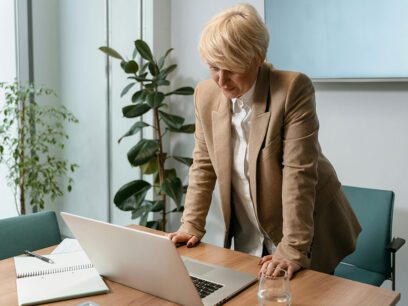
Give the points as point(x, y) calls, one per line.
point(111, 52)
point(168, 173)
point(185, 160)
point(143, 151)
point(163, 83)
point(151, 86)
point(135, 128)
point(133, 111)
point(142, 210)
point(141, 77)
point(155, 206)
point(155, 99)
point(188, 129)
point(144, 50)
point(154, 70)
point(172, 121)
point(167, 70)
point(126, 89)
point(150, 167)
point(131, 67)
point(143, 219)
point(185, 91)
point(144, 67)
point(163, 58)
point(131, 195)
point(174, 189)
point(139, 96)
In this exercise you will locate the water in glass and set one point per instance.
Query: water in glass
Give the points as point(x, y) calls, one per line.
point(274, 291)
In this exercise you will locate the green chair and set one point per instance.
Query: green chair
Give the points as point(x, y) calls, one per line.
point(28, 232)
point(373, 261)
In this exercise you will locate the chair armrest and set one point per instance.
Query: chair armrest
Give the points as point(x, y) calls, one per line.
point(395, 244)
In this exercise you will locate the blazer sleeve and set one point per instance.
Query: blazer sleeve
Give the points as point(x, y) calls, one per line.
point(201, 183)
point(299, 175)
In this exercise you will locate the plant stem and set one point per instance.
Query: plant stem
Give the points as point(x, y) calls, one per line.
point(160, 162)
point(31, 139)
point(21, 156)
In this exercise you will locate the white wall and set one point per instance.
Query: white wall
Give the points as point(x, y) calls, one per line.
point(7, 74)
point(363, 126)
point(125, 29)
point(83, 91)
point(66, 37)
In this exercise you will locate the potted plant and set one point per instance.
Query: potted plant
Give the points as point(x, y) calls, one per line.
point(149, 155)
point(32, 138)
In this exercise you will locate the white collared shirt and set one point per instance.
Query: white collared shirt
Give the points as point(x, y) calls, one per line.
point(249, 237)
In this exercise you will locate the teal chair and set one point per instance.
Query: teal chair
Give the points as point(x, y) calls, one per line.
point(28, 232)
point(373, 261)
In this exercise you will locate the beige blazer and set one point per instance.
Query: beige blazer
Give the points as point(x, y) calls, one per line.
point(294, 188)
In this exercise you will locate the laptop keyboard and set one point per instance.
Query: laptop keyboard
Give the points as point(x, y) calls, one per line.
point(204, 287)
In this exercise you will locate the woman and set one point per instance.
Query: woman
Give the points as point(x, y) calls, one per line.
point(257, 134)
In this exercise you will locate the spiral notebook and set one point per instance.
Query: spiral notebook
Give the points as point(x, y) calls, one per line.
point(72, 275)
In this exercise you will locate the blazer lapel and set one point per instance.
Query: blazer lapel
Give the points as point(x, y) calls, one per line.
point(259, 125)
point(221, 127)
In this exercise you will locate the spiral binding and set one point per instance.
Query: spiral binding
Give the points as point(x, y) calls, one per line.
point(55, 270)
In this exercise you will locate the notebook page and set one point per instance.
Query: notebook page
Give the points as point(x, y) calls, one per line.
point(60, 286)
point(28, 265)
point(67, 245)
point(72, 275)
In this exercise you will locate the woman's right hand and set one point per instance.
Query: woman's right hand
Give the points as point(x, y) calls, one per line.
point(181, 237)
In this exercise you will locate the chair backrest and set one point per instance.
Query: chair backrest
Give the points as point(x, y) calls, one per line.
point(28, 232)
point(374, 209)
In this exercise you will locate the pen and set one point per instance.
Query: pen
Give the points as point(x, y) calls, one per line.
point(38, 256)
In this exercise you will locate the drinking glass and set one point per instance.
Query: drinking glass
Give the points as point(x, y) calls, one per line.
point(274, 291)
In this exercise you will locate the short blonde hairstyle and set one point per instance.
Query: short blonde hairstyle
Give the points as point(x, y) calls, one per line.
point(235, 39)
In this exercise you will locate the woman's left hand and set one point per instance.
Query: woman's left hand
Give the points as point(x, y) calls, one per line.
point(271, 264)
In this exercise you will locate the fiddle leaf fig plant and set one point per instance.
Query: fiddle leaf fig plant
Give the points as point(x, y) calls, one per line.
point(32, 138)
point(147, 93)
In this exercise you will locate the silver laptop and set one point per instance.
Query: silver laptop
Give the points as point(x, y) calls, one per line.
point(151, 263)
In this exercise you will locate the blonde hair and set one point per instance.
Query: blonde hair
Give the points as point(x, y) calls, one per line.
point(235, 39)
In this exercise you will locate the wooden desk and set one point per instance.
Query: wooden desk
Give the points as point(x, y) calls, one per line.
point(309, 288)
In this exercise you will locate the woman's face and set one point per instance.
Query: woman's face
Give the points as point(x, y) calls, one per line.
point(234, 84)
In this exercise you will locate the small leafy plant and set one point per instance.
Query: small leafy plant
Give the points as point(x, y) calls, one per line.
point(148, 154)
point(32, 139)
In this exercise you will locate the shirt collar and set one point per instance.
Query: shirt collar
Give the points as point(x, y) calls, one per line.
point(245, 99)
